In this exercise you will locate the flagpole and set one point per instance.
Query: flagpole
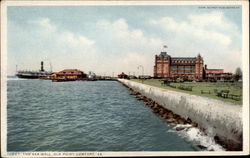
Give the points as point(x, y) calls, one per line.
point(164, 46)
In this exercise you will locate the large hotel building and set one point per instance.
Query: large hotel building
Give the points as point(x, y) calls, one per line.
point(189, 67)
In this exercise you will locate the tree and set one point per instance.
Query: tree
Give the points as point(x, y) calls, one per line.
point(238, 74)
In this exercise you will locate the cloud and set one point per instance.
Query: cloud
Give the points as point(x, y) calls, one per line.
point(124, 39)
point(207, 26)
point(44, 40)
point(116, 47)
point(45, 24)
point(45, 28)
point(126, 47)
point(74, 40)
point(109, 46)
point(210, 34)
point(214, 19)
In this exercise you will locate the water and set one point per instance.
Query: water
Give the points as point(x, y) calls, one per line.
point(84, 116)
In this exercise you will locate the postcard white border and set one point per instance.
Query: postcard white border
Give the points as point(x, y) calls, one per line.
point(245, 59)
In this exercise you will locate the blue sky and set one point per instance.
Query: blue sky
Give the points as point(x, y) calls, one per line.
point(107, 39)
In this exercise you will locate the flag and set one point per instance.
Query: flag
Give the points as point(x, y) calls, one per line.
point(165, 46)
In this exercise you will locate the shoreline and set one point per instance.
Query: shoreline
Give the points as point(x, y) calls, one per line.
point(180, 123)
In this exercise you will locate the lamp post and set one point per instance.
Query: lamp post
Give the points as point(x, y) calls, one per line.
point(140, 66)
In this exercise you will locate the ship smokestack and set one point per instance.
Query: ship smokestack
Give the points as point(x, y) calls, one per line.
point(42, 66)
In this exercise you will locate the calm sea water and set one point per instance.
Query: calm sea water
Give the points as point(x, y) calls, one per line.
point(83, 116)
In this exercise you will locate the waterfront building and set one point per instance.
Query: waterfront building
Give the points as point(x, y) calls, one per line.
point(188, 68)
point(184, 67)
point(122, 75)
point(70, 74)
point(217, 75)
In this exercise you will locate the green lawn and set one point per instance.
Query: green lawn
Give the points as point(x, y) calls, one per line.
point(234, 88)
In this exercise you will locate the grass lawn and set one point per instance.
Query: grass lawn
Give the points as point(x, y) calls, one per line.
point(234, 88)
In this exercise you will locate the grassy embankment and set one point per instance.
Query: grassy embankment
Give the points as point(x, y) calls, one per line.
point(234, 88)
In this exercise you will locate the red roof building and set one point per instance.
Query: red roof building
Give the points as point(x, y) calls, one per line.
point(69, 74)
point(170, 67)
point(186, 67)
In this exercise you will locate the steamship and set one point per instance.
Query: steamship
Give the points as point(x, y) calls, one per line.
point(33, 74)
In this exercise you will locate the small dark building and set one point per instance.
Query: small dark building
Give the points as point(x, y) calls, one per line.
point(145, 77)
point(132, 77)
point(123, 75)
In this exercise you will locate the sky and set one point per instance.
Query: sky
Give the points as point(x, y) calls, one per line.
point(109, 40)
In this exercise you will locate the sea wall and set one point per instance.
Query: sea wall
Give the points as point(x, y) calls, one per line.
point(217, 118)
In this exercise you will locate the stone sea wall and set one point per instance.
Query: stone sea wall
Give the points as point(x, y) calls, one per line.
point(218, 119)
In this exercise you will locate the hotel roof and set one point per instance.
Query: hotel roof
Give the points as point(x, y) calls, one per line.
point(183, 58)
point(69, 72)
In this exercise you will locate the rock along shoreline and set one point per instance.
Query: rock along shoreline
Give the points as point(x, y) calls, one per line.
point(180, 123)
